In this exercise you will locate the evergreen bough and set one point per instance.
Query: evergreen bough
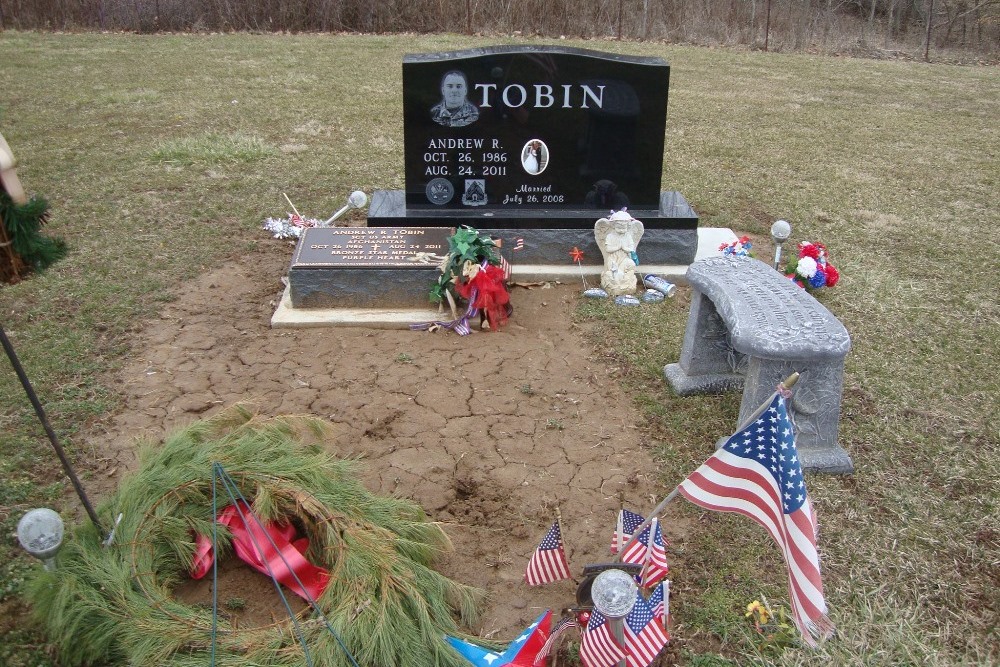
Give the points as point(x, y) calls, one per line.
point(22, 229)
point(384, 601)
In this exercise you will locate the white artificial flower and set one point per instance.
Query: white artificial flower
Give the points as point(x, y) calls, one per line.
point(806, 267)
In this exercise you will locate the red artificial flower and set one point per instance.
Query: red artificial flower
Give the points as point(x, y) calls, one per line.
point(808, 250)
point(723, 246)
point(744, 240)
point(576, 254)
point(832, 275)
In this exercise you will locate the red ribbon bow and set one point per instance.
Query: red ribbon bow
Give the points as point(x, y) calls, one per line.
point(286, 563)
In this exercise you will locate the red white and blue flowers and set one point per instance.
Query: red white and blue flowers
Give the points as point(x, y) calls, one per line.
point(738, 248)
point(812, 269)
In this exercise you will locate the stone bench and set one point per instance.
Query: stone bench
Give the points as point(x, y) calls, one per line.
point(750, 327)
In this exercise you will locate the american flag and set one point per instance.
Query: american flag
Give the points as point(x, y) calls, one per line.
point(548, 563)
point(558, 630)
point(644, 637)
point(659, 602)
point(598, 648)
point(649, 551)
point(505, 265)
point(757, 473)
point(627, 523)
point(519, 244)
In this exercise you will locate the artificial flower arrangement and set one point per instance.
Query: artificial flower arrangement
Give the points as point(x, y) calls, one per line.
point(291, 228)
point(811, 268)
point(472, 271)
point(738, 248)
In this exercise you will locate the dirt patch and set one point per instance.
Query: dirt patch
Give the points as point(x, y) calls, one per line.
point(488, 432)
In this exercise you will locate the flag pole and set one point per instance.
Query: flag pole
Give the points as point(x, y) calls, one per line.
point(40, 412)
point(291, 204)
point(620, 523)
point(666, 605)
point(785, 385)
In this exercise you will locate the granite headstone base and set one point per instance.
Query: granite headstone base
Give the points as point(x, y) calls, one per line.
point(671, 233)
point(343, 287)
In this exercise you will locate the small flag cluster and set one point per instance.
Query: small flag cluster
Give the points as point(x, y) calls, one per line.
point(645, 627)
point(756, 473)
point(644, 634)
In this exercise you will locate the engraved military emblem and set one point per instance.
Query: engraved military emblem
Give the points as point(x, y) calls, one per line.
point(440, 191)
point(475, 192)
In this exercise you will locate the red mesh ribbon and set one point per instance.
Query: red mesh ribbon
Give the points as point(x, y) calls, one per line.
point(488, 292)
point(247, 530)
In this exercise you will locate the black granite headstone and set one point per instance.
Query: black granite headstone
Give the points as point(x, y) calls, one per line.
point(542, 140)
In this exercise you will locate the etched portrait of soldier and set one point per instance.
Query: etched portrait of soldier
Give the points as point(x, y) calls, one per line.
point(454, 109)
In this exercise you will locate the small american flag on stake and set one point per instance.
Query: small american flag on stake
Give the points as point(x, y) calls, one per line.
point(659, 602)
point(649, 551)
point(598, 647)
point(627, 523)
point(519, 244)
point(548, 563)
point(502, 261)
point(505, 265)
point(644, 635)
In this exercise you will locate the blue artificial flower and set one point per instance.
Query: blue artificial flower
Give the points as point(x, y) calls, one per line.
point(818, 280)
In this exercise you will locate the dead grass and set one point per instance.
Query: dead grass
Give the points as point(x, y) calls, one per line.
point(891, 164)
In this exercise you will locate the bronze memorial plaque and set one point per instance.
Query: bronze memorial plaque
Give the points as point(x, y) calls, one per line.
point(371, 247)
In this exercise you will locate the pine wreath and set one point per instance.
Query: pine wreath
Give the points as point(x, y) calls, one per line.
point(384, 601)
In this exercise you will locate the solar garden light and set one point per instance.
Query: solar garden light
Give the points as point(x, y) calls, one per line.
point(780, 231)
point(356, 200)
point(40, 532)
point(614, 592)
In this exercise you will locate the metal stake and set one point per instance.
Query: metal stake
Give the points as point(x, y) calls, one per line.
point(9, 349)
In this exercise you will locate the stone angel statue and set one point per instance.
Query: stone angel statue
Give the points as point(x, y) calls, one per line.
point(618, 237)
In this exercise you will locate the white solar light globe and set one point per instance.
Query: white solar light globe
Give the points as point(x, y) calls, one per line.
point(613, 593)
point(40, 532)
point(357, 199)
point(780, 231)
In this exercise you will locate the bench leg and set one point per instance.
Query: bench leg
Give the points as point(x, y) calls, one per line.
point(815, 408)
point(708, 363)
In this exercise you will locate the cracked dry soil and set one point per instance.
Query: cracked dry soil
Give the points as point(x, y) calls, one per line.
point(487, 432)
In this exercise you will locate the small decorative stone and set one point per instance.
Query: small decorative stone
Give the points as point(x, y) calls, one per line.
point(626, 300)
point(595, 293)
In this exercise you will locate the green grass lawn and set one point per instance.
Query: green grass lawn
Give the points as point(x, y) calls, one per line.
point(161, 155)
